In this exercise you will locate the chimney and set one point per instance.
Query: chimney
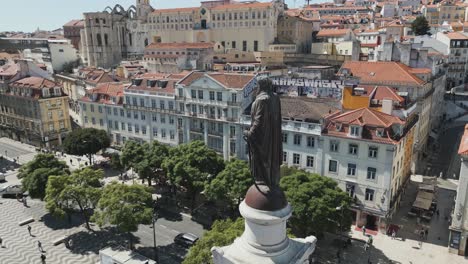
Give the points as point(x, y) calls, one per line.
point(387, 106)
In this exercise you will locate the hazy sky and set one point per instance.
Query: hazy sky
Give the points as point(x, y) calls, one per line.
point(28, 15)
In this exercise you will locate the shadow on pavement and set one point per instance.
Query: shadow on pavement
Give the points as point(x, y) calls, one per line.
point(171, 254)
point(55, 222)
point(327, 252)
point(86, 242)
point(411, 226)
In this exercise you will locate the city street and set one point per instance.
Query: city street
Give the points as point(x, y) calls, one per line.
point(21, 248)
point(444, 158)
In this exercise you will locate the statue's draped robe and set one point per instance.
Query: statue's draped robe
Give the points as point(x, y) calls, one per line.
point(265, 139)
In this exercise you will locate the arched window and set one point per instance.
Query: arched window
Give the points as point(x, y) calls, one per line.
point(146, 42)
point(106, 40)
point(99, 40)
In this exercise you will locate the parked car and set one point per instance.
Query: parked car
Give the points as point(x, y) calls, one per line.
point(11, 190)
point(2, 177)
point(186, 239)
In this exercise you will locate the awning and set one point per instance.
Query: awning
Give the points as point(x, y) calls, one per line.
point(417, 178)
point(425, 195)
point(422, 204)
point(427, 187)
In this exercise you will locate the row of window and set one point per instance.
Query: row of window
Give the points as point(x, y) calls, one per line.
point(240, 15)
point(298, 140)
point(351, 169)
point(146, 103)
point(368, 195)
point(297, 159)
point(353, 149)
point(200, 94)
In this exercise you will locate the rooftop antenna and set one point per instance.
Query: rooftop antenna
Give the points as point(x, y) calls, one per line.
point(308, 2)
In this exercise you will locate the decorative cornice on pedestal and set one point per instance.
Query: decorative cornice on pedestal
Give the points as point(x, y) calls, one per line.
point(265, 240)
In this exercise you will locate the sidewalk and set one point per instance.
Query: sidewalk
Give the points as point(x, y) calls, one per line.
point(407, 250)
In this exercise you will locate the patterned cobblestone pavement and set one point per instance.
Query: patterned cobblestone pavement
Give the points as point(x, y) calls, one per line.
point(21, 248)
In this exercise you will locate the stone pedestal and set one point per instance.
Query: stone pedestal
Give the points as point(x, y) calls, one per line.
point(265, 240)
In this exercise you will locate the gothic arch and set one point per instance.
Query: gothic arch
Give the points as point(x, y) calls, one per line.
point(118, 9)
point(108, 9)
point(132, 12)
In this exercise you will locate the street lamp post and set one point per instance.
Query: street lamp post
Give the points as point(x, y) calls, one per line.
point(340, 208)
point(155, 218)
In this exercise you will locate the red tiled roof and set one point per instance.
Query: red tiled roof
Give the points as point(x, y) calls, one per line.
point(456, 35)
point(176, 10)
point(385, 92)
point(75, 23)
point(242, 6)
point(382, 72)
point(367, 117)
point(332, 32)
point(229, 80)
point(34, 83)
point(10, 69)
point(183, 45)
point(370, 120)
point(420, 70)
point(381, 92)
point(463, 149)
point(110, 89)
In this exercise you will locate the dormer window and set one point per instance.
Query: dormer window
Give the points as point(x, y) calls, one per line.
point(338, 126)
point(354, 131)
point(57, 91)
point(45, 92)
point(380, 132)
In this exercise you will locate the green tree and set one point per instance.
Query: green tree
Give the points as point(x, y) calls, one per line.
point(191, 166)
point(315, 199)
point(420, 26)
point(132, 153)
point(231, 184)
point(86, 141)
point(124, 206)
point(146, 158)
point(81, 190)
point(35, 173)
point(222, 233)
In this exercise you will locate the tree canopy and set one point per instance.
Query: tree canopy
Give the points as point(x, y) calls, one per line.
point(36, 173)
point(145, 158)
point(420, 26)
point(222, 233)
point(125, 206)
point(315, 200)
point(191, 166)
point(231, 184)
point(86, 141)
point(81, 190)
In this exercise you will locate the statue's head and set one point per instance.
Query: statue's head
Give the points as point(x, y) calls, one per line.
point(265, 85)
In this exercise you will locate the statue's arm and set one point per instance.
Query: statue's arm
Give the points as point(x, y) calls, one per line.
point(258, 119)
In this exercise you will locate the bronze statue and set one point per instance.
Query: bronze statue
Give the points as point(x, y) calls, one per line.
point(264, 137)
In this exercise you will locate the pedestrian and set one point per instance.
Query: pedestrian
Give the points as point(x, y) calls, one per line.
point(393, 234)
point(363, 230)
point(25, 203)
point(366, 246)
point(437, 213)
point(43, 258)
point(370, 240)
point(426, 233)
point(29, 230)
point(71, 161)
point(39, 246)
